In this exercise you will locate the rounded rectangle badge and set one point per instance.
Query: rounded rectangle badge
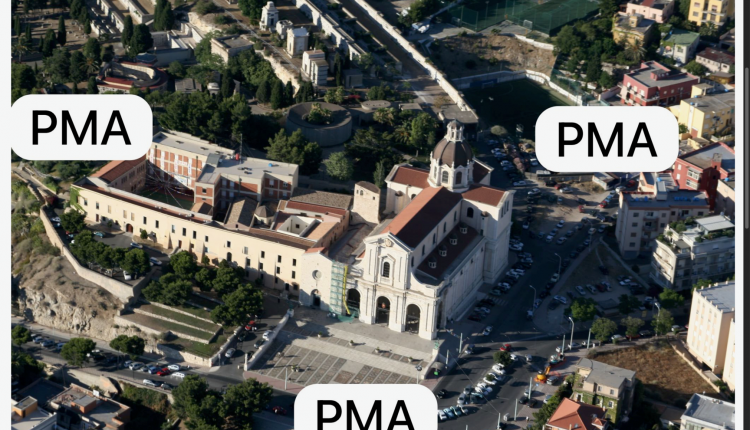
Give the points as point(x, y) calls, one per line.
point(81, 127)
point(365, 407)
point(575, 139)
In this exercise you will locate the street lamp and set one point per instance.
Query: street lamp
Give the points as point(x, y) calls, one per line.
point(571, 331)
point(559, 266)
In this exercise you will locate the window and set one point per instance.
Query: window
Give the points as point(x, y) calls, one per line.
point(470, 213)
point(631, 244)
point(635, 214)
point(205, 250)
point(109, 209)
point(184, 232)
point(229, 244)
point(635, 224)
point(97, 205)
point(611, 392)
point(278, 259)
point(294, 274)
point(278, 270)
point(132, 216)
point(195, 234)
point(205, 239)
point(173, 228)
point(412, 262)
point(244, 250)
point(633, 234)
point(144, 221)
point(247, 262)
point(445, 225)
point(125, 215)
point(260, 266)
point(294, 262)
point(204, 191)
point(611, 404)
point(434, 238)
point(423, 250)
point(262, 254)
point(156, 223)
point(458, 178)
point(445, 177)
point(386, 273)
point(599, 388)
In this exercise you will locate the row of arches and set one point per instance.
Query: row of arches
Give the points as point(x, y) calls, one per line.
point(383, 314)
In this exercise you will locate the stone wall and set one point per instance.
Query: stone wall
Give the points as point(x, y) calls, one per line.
point(180, 334)
point(183, 356)
point(259, 353)
point(159, 305)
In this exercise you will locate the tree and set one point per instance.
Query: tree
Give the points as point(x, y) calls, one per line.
point(593, 71)
point(251, 8)
point(77, 67)
point(108, 53)
point(263, 93)
point(421, 126)
point(385, 116)
point(277, 95)
point(131, 345)
point(227, 280)
point(227, 85)
point(92, 48)
point(379, 174)
point(632, 325)
point(169, 290)
point(176, 69)
point(305, 93)
point(76, 350)
point(24, 368)
point(603, 328)
point(17, 26)
point(606, 81)
point(141, 40)
point(608, 8)
point(663, 322)
point(583, 309)
point(20, 335)
point(636, 51)
point(670, 298)
point(242, 401)
point(49, 43)
point(205, 278)
point(72, 221)
point(57, 66)
point(87, 26)
point(183, 264)
point(163, 16)
point(502, 358)
point(338, 166)
point(335, 96)
point(136, 261)
point(22, 77)
point(289, 93)
point(238, 306)
point(91, 87)
point(567, 40)
point(62, 36)
point(701, 283)
point(338, 69)
point(365, 61)
point(295, 149)
point(695, 69)
point(187, 396)
point(127, 31)
point(498, 130)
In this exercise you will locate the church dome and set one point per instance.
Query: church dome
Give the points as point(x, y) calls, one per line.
point(452, 149)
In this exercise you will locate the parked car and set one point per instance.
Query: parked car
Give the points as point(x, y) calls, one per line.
point(442, 416)
point(99, 234)
point(174, 367)
point(229, 353)
point(645, 333)
point(487, 330)
point(267, 335)
point(560, 299)
point(154, 261)
point(555, 277)
point(136, 245)
point(178, 375)
point(259, 343)
point(163, 372)
point(55, 219)
point(506, 347)
point(561, 240)
point(165, 386)
point(617, 337)
point(126, 275)
point(552, 379)
point(149, 382)
point(48, 343)
point(440, 394)
point(136, 365)
point(278, 410)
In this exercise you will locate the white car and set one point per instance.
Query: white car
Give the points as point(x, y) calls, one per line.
point(561, 299)
point(126, 275)
point(560, 223)
point(561, 240)
point(174, 367)
point(498, 368)
point(503, 285)
point(55, 219)
point(135, 365)
point(525, 225)
point(534, 192)
point(591, 288)
point(580, 290)
point(625, 282)
point(489, 381)
point(442, 416)
point(149, 382)
point(516, 248)
point(555, 277)
point(519, 183)
point(154, 261)
point(617, 337)
point(487, 330)
point(267, 335)
point(127, 363)
point(519, 271)
point(514, 357)
point(549, 239)
point(178, 375)
point(229, 353)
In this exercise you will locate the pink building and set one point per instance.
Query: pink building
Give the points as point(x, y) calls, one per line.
point(657, 10)
point(655, 85)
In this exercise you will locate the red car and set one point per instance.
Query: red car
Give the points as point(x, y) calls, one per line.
point(163, 372)
point(278, 410)
point(633, 337)
point(631, 183)
point(603, 204)
point(558, 186)
point(505, 347)
point(250, 325)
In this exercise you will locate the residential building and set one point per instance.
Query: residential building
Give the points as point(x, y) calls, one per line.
point(633, 28)
point(26, 414)
point(705, 250)
point(609, 387)
point(716, 60)
point(711, 316)
point(79, 408)
point(707, 112)
point(704, 168)
point(727, 40)
point(315, 66)
point(707, 413)
point(728, 372)
point(715, 12)
point(657, 10)
point(643, 215)
point(573, 415)
point(446, 233)
point(679, 45)
point(725, 197)
point(227, 47)
point(655, 85)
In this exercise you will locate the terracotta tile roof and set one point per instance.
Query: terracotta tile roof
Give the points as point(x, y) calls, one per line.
point(369, 186)
point(115, 169)
point(240, 213)
point(310, 207)
point(315, 250)
point(453, 252)
point(202, 208)
point(422, 215)
point(320, 230)
point(723, 57)
point(572, 414)
point(323, 198)
point(484, 194)
point(480, 171)
point(411, 176)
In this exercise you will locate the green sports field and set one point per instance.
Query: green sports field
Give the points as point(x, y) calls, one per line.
point(516, 102)
point(172, 200)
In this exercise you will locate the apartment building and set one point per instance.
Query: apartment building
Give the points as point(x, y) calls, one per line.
point(655, 85)
point(657, 10)
point(725, 197)
point(707, 112)
point(711, 320)
point(707, 413)
point(643, 215)
point(679, 45)
point(716, 60)
point(728, 372)
point(77, 404)
point(715, 12)
point(633, 28)
point(704, 250)
point(609, 387)
point(704, 168)
point(26, 414)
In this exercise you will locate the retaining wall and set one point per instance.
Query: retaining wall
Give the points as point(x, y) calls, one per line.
point(183, 356)
point(180, 334)
point(697, 370)
point(503, 76)
point(259, 353)
point(159, 305)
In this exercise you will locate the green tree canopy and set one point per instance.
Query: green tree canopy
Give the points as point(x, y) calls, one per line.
point(72, 221)
point(628, 304)
point(62, 36)
point(695, 68)
point(663, 322)
point(131, 345)
point(20, 335)
point(183, 264)
point(76, 350)
point(502, 358)
point(169, 290)
point(238, 306)
point(603, 328)
point(583, 309)
point(188, 395)
point(24, 367)
point(295, 149)
point(339, 167)
point(141, 40)
point(242, 401)
point(632, 325)
point(670, 298)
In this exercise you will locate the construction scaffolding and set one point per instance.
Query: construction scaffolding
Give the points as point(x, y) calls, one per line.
point(336, 302)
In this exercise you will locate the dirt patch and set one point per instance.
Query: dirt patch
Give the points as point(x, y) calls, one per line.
point(665, 375)
point(471, 54)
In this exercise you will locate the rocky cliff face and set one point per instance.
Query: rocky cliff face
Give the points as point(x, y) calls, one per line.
point(51, 294)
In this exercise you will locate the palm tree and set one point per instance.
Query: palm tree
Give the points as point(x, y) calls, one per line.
point(20, 49)
point(90, 66)
point(401, 134)
point(636, 51)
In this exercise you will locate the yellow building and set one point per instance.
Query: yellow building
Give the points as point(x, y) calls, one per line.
point(711, 317)
point(716, 12)
point(707, 113)
point(632, 29)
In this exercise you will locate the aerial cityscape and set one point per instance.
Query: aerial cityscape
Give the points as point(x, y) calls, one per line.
point(348, 192)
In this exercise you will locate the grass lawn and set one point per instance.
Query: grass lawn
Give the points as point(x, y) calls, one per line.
point(201, 349)
point(198, 300)
point(182, 318)
point(664, 373)
point(163, 326)
point(516, 102)
point(168, 199)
